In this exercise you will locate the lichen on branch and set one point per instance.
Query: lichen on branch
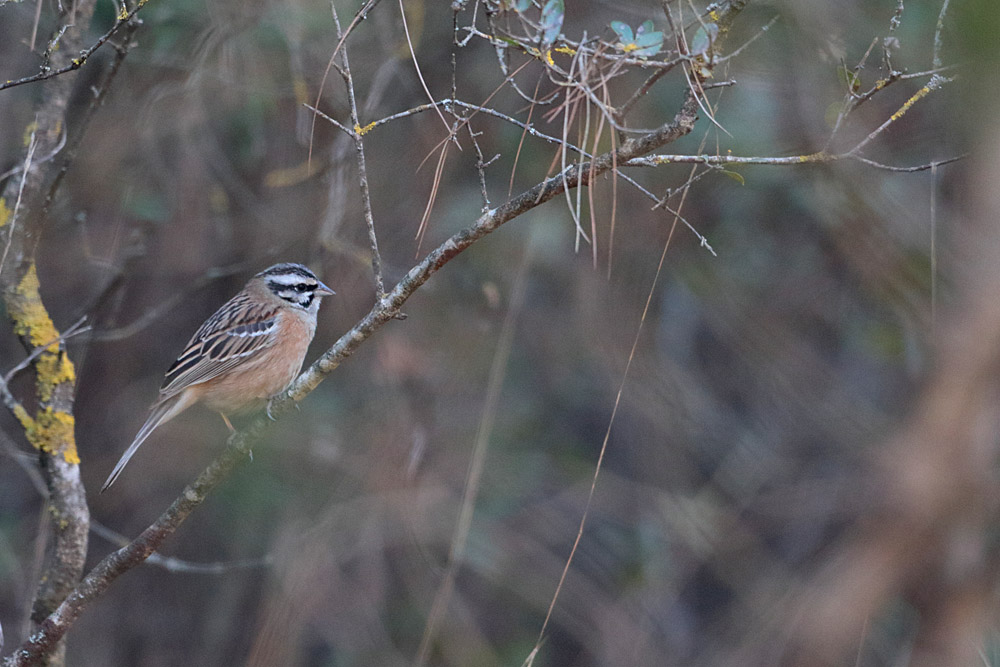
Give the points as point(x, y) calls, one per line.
point(52, 429)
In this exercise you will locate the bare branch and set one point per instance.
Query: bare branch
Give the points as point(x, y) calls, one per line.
point(78, 62)
point(178, 565)
point(935, 83)
point(359, 148)
point(786, 161)
point(936, 57)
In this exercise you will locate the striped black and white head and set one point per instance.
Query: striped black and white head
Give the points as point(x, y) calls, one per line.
point(295, 284)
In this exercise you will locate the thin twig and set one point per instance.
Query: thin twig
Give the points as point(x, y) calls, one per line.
point(786, 161)
point(166, 304)
point(738, 50)
point(178, 565)
point(18, 169)
point(481, 165)
point(32, 144)
point(359, 16)
point(78, 62)
point(938, 29)
point(359, 149)
point(933, 251)
point(416, 65)
point(27, 461)
point(934, 84)
point(74, 330)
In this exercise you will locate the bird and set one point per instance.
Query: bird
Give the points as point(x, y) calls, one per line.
point(242, 356)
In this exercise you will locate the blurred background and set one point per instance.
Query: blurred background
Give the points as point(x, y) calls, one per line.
point(765, 382)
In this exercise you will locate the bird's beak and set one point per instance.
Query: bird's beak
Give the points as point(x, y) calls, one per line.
point(323, 290)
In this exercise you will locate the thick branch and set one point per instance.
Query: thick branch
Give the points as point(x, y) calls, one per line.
point(51, 428)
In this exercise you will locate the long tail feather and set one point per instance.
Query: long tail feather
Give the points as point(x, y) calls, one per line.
point(159, 413)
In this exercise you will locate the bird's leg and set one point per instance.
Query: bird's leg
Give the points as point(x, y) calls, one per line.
point(268, 409)
point(232, 429)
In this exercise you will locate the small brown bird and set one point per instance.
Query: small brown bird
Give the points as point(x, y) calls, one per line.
point(242, 356)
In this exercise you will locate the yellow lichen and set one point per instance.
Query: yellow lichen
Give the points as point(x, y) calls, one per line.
point(909, 103)
point(4, 212)
point(123, 14)
point(53, 369)
point(548, 58)
point(364, 130)
point(629, 48)
point(32, 322)
point(52, 431)
point(22, 416)
point(565, 49)
point(714, 15)
point(30, 318)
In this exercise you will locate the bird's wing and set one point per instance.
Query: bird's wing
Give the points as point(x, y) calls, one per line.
point(237, 332)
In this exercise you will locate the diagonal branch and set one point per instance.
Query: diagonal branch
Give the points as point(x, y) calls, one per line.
point(124, 18)
point(53, 628)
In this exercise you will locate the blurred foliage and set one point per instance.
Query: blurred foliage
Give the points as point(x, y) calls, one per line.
point(763, 383)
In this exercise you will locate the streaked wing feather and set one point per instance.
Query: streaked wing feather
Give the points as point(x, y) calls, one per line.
point(237, 332)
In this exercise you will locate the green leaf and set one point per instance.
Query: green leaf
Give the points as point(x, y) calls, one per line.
point(703, 39)
point(649, 39)
point(644, 43)
point(849, 77)
point(522, 5)
point(623, 30)
point(648, 43)
point(551, 22)
point(735, 175)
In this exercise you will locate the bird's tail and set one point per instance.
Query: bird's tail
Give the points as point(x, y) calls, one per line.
point(159, 413)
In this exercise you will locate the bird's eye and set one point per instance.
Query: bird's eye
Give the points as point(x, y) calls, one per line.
point(301, 287)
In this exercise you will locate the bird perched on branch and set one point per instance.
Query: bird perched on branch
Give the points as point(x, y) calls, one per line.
point(242, 356)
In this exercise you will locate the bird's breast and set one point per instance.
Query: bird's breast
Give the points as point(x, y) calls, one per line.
point(250, 385)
